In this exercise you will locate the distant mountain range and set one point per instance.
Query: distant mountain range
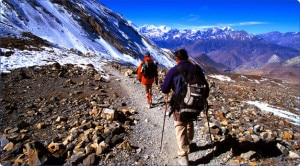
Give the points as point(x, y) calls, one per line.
point(289, 39)
point(225, 49)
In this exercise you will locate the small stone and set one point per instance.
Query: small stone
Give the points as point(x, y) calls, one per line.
point(255, 138)
point(101, 148)
point(77, 157)
point(234, 162)
point(3, 142)
point(282, 148)
point(287, 135)
point(90, 159)
point(41, 125)
point(248, 155)
point(224, 123)
point(97, 77)
point(109, 114)
point(293, 155)
point(8, 146)
point(125, 145)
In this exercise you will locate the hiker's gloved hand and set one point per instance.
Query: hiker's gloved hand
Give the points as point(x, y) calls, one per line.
point(140, 80)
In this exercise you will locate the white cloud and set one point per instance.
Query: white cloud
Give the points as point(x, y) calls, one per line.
point(193, 18)
point(247, 23)
point(242, 24)
point(203, 27)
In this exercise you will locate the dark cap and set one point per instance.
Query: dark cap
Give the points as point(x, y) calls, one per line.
point(182, 54)
point(147, 53)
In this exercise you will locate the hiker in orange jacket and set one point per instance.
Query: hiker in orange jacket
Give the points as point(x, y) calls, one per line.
point(147, 82)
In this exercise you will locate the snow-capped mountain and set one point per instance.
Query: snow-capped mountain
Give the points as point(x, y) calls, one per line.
point(234, 51)
point(289, 39)
point(80, 25)
point(223, 45)
point(167, 33)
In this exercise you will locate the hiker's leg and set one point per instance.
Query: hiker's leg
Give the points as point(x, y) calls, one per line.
point(182, 138)
point(190, 131)
point(148, 92)
point(150, 88)
point(146, 89)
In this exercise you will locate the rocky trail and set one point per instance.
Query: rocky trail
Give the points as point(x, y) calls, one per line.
point(66, 115)
point(147, 134)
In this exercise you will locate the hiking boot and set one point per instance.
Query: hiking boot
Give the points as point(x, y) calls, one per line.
point(183, 160)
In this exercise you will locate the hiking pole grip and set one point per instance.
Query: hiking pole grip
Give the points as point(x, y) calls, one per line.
point(162, 133)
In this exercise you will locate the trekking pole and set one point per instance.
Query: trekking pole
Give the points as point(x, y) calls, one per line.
point(206, 111)
point(162, 133)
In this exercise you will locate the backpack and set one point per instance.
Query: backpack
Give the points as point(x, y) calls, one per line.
point(192, 96)
point(149, 69)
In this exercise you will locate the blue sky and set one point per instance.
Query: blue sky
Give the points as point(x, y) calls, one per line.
point(253, 16)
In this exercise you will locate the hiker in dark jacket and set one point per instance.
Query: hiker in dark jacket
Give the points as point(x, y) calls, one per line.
point(184, 130)
point(147, 82)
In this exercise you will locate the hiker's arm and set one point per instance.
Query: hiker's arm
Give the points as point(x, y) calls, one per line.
point(156, 77)
point(168, 81)
point(139, 74)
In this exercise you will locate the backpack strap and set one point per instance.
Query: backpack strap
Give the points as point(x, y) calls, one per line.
point(181, 71)
point(185, 74)
point(179, 97)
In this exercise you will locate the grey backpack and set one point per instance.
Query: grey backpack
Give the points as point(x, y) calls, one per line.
point(193, 95)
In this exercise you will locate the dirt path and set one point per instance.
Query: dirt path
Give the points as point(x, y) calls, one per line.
point(147, 133)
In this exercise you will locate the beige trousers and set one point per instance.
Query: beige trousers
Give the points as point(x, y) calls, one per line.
point(184, 135)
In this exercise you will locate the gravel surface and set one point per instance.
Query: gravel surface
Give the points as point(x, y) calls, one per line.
point(147, 134)
point(34, 95)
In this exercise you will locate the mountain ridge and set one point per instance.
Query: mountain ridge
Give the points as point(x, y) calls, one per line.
point(85, 26)
point(237, 50)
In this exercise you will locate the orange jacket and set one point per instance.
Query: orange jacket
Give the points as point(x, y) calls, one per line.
point(142, 79)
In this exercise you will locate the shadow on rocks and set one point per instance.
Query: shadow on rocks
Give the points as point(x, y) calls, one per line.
point(262, 149)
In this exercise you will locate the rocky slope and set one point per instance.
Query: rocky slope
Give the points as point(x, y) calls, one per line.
point(85, 27)
point(66, 115)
